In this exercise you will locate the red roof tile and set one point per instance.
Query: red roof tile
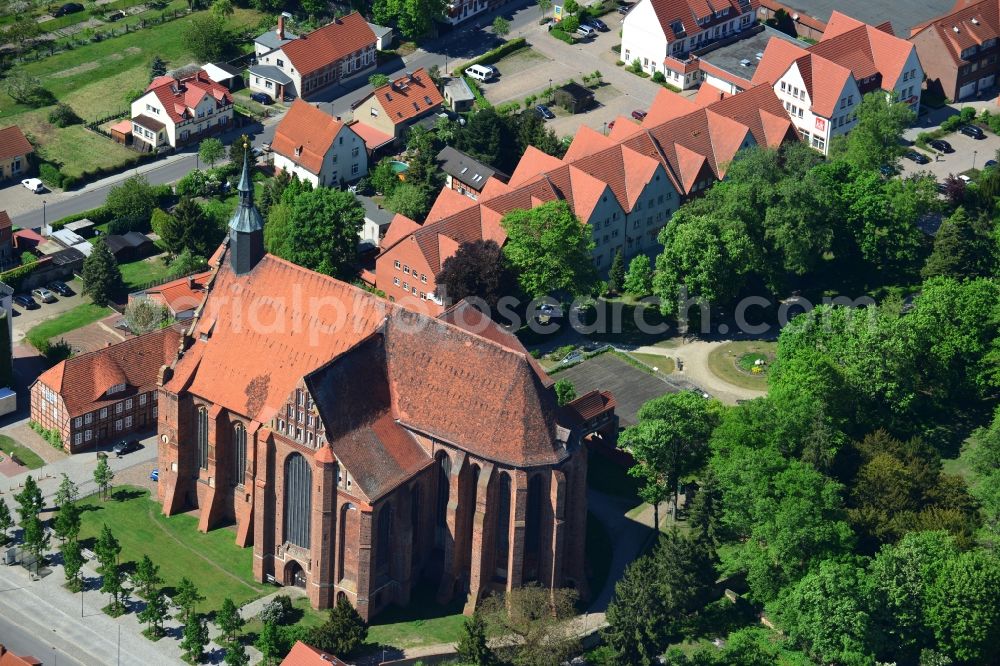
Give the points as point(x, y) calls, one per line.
point(306, 655)
point(372, 137)
point(305, 135)
point(967, 24)
point(865, 50)
point(8, 658)
point(182, 294)
point(408, 97)
point(330, 43)
point(83, 380)
point(688, 12)
point(180, 96)
point(13, 143)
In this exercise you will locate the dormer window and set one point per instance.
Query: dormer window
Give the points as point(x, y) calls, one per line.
point(117, 388)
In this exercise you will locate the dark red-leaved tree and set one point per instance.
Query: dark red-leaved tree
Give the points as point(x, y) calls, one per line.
point(477, 269)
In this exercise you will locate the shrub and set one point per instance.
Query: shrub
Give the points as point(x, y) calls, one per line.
point(123, 225)
point(952, 123)
point(569, 24)
point(276, 611)
point(994, 123)
point(561, 36)
point(508, 108)
point(636, 66)
point(50, 175)
point(63, 115)
point(14, 278)
point(69, 182)
point(967, 114)
point(51, 436)
point(658, 77)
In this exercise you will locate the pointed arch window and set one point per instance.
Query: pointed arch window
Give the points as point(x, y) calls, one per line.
point(202, 438)
point(239, 453)
point(298, 500)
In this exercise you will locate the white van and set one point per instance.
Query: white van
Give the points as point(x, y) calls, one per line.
point(586, 31)
point(480, 72)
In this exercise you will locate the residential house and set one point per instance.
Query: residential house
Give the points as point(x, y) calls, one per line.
point(173, 112)
point(624, 186)
point(306, 655)
point(361, 447)
point(299, 66)
point(465, 174)
point(391, 109)
point(821, 86)
point(180, 297)
point(959, 49)
point(104, 395)
point(15, 153)
point(317, 147)
point(661, 34)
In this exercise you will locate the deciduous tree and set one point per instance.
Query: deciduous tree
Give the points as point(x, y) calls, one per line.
point(501, 26)
point(228, 620)
point(146, 577)
point(67, 523)
point(478, 269)
point(875, 140)
point(133, 199)
point(639, 279)
point(565, 392)
point(72, 559)
point(195, 638)
point(68, 491)
point(155, 613)
point(6, 522)
point(535, 617)
point(187, 597)
point(962, 610)
point(377, 80)
point(269, 644)
point(144, 315)
point(317, 229)
point(103, 476)
point(964, 247)
point(211, 149)
point(207, 38)
point(550, 250)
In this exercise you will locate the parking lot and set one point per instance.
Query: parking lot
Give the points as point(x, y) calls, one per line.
point(631, 387)
point(25, 320)
point(551, 61)
point(969, 153)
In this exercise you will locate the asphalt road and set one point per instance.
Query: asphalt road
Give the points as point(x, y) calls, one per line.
point(463, 43)
point(26, 642)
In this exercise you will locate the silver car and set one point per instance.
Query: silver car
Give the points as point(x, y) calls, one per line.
point(44, 295)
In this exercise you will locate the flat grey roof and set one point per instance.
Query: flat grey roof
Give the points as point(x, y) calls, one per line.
point(730, 57)
point(270, 39)
point(458, 89)
point(904, 15)
point(379, 30)
point(270, 72)
point(631, 387)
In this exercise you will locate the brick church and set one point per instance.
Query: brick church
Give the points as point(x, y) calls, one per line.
point(361, 447)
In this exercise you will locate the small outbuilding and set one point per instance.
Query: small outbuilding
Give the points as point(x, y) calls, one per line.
point(225, 74)
point(458, 95)
point(130, 246)
point(574, 98)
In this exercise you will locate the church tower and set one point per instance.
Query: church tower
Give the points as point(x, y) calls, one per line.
point(246, 227)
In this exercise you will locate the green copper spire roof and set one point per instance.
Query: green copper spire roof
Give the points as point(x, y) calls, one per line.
point(246, 218)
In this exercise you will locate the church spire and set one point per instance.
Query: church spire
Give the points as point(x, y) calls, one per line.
point(246, 226)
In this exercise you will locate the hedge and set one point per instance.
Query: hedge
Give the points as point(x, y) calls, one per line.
point(96, 215)
point(561, 35)
point(481, 101)
point(493, 55)
point(15, 276)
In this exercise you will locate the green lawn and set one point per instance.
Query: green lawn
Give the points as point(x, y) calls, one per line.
point(97, 80)
point(70, 320)
point(724, 362)
point(139, 274)
point(423, 622)
point(22, 453)
point(663, 364)
point(212, 561)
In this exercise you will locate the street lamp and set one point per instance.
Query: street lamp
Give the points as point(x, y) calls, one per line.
point(974, 153)
point(605, 128)
point(550, 91)
point(43, 213)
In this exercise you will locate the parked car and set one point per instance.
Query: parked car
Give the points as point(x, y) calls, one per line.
point(155, 474)
point(116, 16)
point(639, 114)
point(598, 24)
point(60, 288)
point(990, 163)
point(25, 301)
point(125, 446)
point(44, 295)
point(965, 179)
point(586, 31)
point(942, 145)
point(611, 125)
point(544, 112)
point(917, 157)
point(887, 170)
point(622, 9)
point(68, 8)
point(973, 131)
point(481, 73)
point(261, 98)
point(34, 185)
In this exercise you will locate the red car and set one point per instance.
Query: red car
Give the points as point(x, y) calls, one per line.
point(611, 125)
point(638, 115)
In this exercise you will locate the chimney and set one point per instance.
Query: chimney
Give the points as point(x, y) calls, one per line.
point(281, 27)
point(190, 282)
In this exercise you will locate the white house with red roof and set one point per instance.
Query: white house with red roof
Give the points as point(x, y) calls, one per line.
point(297, 66)
point(821, 86)
point(175, 111)
point(661, 34)
point(317, 147)
point(389, 110)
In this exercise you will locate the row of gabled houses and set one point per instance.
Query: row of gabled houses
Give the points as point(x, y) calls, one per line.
point(623, 186)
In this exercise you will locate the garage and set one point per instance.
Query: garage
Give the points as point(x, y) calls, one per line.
point(968, 90)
